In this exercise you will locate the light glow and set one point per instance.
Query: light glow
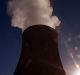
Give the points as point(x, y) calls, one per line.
point(77, 66)
point(77, 72)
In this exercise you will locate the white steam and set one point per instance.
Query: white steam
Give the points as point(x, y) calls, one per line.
point(25, 13)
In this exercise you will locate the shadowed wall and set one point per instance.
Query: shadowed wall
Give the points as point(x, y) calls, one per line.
point(40, 55)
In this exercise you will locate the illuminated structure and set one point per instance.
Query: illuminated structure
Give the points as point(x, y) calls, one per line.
point(39, 54)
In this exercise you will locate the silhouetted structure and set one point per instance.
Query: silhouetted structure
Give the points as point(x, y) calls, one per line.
point(39, 54)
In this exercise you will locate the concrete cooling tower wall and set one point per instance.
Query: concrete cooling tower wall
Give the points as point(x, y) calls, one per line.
point(39, 55)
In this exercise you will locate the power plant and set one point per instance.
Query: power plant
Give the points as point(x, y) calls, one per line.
point(36, 19)
point(39, 55)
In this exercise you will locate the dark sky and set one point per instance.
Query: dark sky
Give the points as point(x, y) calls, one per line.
point(69, 34)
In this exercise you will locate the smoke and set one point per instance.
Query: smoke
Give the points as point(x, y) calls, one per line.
point(25, 13)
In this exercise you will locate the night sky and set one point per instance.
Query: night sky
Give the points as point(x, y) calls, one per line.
point(68, 12)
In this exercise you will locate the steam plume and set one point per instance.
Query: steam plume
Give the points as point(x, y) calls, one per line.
point(25, 13)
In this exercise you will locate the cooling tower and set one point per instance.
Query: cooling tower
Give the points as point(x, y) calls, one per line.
point(39, 55)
